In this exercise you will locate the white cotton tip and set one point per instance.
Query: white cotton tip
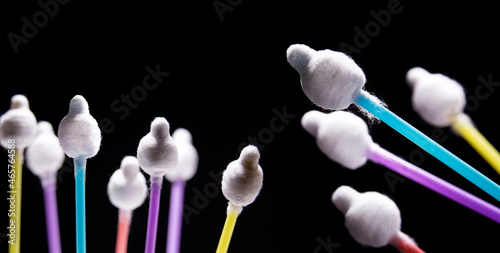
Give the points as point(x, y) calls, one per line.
point(415, 74)
point(18, 124)
point(371, 218)
point(311, 121)
point(157, 152)
point(79, 134)
point(343, 197)
point(188, 157)
point(342, 136)
point(44, 157)
point(127, 187)
point(330, 79)
point(436, 97)
point(242, 179)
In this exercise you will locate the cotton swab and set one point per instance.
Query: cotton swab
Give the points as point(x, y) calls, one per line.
point(333, 81)
point(440, 101)
point(344, 138)
point(80, 138)
point(157, 154)
point(127, 190)
point(241, 183)
point(373, 219)
point(185, 170)
point(44, 158)
point(18, 130)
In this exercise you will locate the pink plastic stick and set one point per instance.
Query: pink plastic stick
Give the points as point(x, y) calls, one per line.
point(123, 231)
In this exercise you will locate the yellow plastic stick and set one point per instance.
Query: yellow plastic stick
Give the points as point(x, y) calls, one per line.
point(464, 126)
point(15, 247)
point(225, 238)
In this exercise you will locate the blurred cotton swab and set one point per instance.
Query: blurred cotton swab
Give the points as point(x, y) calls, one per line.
point(18, 130)
point(241, 183)
point(344, 138)
point(127, 190)
point(44, 158)
point(373, 219)
point(334, 81)
point(185, 170)
point(440, 101)
point(157, 155)
point(80, 138)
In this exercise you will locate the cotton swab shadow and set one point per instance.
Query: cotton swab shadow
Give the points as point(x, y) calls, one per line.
point(185, 170)
point(344, 138)
point(440, 101)
point(80, 138)
point(157, 154)
point(18, 130)
point(44, 158)
point(333, 81)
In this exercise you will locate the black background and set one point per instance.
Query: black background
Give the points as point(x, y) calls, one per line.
point(226, 80)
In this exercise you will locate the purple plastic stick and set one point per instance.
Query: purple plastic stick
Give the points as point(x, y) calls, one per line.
point(154, 209)
point(175, 216)
point(51, 217)
point(389, 160)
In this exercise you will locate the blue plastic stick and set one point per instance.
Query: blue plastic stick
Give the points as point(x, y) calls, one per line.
point(371, 104)
point(81, 245)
